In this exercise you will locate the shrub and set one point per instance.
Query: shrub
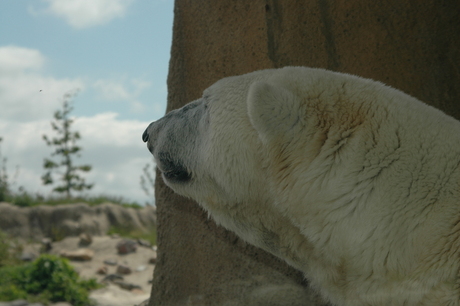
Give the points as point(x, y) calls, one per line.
point(48, 278)
point(11, 292)
point(9, 288)
point(4, 249)
point(5, 184)
point(9, 250)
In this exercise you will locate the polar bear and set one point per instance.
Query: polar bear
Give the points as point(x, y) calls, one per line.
point(348, 180)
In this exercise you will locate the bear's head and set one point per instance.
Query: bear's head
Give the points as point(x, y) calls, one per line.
point(229, 149)
point(247, 141)
point(213, 149)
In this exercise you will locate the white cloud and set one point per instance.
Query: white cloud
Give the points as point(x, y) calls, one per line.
point(25, 94)
point(27, 101)
point(115, 149)
point(15, 60)
point(111, 90)
point(82, 14)
point(116, 90)
point(106, 129)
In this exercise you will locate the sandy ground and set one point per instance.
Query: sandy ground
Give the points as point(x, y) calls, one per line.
point(104, 248)
point(112, 295)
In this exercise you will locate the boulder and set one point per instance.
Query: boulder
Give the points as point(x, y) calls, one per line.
point(144, 243)
point(102, 270)
point(122, 269)
point(153, 259)
point(126, 246)
point(127, 286)
point(110, 262)
point(85, 239)
point(27, 256)
point(47, 244)
point(112, 278)
point(78, 255)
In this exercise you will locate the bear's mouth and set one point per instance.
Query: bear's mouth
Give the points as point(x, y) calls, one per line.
point(177, 175)
point(172, 170)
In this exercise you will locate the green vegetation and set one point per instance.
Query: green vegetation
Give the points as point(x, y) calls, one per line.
point(9, 251)
point(150, 235)
point(50, 278)
point(5, 184)
point(4, 250)
point(63, 167)
point(65, 149)
point(26, 199)
point(47, 279)
point(3, 176)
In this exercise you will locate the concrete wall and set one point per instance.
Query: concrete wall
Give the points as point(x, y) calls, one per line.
point(411, 45)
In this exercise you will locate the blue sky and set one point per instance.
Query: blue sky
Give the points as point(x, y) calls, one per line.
point(115, 51)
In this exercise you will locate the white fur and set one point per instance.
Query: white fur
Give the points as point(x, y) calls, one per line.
point(350, 181)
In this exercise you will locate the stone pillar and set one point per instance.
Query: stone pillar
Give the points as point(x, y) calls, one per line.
point(411, 45)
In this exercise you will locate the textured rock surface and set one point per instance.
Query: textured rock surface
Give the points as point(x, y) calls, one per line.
point(413, 46)
point(121, 290)
point(72, 220)
point(78, 255)
point(126, 246)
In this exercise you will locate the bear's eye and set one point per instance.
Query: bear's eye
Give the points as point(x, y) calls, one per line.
point(172, 170)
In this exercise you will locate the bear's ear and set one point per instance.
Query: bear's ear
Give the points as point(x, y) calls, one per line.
point(273, 110)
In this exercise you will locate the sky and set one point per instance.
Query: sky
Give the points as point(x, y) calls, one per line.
point(115, 53)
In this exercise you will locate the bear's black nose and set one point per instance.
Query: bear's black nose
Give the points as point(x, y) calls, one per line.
point(145, 136)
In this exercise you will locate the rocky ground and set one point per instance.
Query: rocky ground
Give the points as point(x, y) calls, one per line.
point(127, 275)
point(124, 265)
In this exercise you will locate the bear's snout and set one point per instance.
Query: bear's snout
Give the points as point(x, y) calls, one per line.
point(171, 168)
point(145, 135)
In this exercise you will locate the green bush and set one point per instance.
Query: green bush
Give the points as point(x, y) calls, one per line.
point(11, 292)
point(9, 288)
point(4, 249)
point(9, 250)
point(22, 198)
point(48, 278)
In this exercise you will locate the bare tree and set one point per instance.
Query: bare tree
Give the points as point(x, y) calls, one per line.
point(148, 181)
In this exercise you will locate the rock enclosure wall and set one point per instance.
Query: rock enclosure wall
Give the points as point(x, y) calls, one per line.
point(72, 219)
point(411, 45)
